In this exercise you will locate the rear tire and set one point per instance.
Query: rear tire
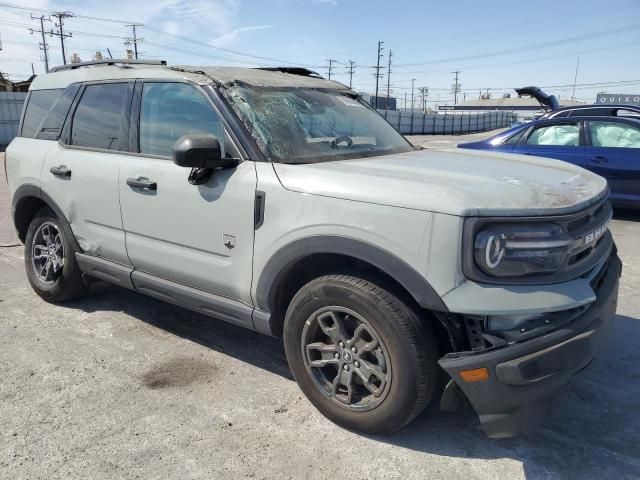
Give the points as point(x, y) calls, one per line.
point(50, 260)
point(360, 354)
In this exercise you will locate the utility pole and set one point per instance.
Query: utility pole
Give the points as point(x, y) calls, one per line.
point(405, 101)
point(389, 79)
point(43, 46)
point(134, 38)
point(331, 62)
point(413, 81)
point(60, 33)
point(456, 87)
point(424, 92)
point(378, 70)
point(350, 70)
point(575, 79)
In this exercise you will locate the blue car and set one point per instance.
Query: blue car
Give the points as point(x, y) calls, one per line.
point(606, 145)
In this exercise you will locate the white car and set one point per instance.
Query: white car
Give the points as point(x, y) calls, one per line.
point(279, 201)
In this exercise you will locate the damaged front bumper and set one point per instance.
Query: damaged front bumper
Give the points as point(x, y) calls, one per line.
point(523, 377)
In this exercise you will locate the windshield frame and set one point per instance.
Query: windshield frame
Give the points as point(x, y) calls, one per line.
point(226, 94)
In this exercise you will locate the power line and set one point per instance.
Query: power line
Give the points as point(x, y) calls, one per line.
point(51, 12)
point(228, 50)
point(185, 39)
point(200, 54)
point(587, 36)
point(533, 60)
point(91, 34)
point(19, 7)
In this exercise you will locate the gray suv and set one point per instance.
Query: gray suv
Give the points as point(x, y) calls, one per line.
point(281, 202)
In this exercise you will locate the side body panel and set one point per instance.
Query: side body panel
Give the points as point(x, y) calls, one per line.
point(89, 198)
point(24, 158)
point(196, 235)
point(621, 168)
point(619, 164)
point(404, 233)
point(575, 155)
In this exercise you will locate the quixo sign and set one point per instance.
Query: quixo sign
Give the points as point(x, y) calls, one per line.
point(618, 99)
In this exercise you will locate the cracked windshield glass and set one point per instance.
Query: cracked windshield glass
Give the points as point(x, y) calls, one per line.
point(308, 126)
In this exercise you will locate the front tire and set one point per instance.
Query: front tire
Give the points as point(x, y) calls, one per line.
point(50, 260)
point(360, 354)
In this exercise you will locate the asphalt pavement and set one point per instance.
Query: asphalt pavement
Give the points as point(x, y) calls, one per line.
point(118, 385)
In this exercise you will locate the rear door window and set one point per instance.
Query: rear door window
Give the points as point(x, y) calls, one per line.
point(614, 135)
point(97, 122)
point(566, 135)
point(38, 106)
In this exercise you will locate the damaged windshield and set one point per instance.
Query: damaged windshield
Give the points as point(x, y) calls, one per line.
point(297, 125)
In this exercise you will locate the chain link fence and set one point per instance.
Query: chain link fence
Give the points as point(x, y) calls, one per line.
point(10, 111)
point(447, 123)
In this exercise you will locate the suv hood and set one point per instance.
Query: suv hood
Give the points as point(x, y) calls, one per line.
point(456, 182)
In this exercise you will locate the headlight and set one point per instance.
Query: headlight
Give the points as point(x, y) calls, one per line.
point(513, 250)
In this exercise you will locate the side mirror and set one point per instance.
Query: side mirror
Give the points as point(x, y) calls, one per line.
point(200, 151)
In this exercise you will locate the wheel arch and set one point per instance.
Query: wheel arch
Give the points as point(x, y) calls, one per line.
point(309, 257)
point(26, 202)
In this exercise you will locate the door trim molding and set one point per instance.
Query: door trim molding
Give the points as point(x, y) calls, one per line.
point(206, 303)
point(209, 304)
point(106, 270)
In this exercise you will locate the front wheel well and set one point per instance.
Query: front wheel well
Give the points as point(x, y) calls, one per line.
point(320, 264)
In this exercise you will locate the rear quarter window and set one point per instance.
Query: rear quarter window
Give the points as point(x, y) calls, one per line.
point(52, 124)
point(37, 108)
point(98, 116)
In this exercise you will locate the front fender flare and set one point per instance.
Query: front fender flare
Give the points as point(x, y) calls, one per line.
point(287, 256)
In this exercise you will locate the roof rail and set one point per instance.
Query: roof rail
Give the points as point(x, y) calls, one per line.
point(111, 61)
point(292, 70)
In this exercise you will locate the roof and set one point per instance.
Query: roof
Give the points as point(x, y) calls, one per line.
point(203, 75)
point(602, 109)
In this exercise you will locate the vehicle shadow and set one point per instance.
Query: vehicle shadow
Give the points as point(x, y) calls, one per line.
point(258, 350)
point(593, 430)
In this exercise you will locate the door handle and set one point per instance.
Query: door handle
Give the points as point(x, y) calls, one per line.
point(599, 159)
point(61, 171)
point(142, 182)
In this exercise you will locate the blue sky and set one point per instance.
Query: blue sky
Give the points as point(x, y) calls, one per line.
point(495, 44)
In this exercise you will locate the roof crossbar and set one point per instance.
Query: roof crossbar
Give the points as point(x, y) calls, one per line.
point(111, 61)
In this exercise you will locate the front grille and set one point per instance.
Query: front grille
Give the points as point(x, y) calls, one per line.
point(576, 224)
point(590, 233)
